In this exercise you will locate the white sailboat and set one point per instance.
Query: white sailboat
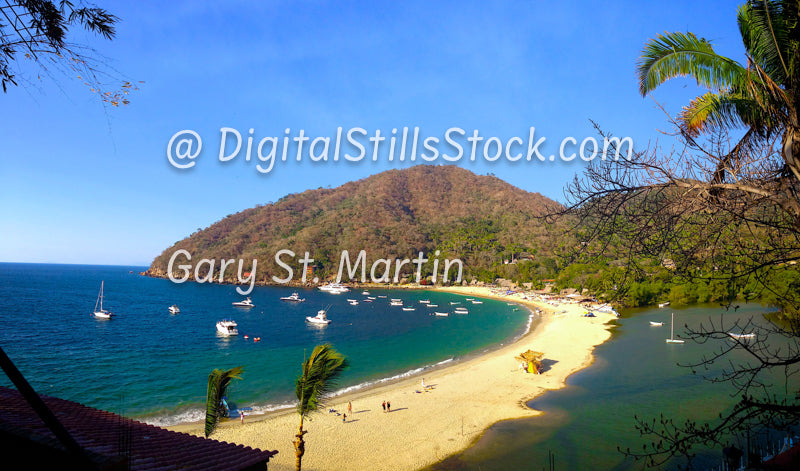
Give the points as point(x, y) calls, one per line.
point(101, 313)
point(672, 338)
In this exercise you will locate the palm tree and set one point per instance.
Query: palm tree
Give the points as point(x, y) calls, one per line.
point(218, 382)
point(315, 382)
point(762, 96)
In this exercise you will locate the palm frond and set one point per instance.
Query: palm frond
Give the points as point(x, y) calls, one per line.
point(765, 31)
point(218, 381)
point(318, 378)
point(677, 54)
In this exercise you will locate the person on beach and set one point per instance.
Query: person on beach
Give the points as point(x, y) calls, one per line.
point(344, 418)
point(350, 408)
point(423, 383)
point(242, 416)
point(388, 406)
point(384, 406)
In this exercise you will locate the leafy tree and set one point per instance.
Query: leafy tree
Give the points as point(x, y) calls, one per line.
point(218, 382)
point(721, 209)
point(316, 381)
point(39, 30)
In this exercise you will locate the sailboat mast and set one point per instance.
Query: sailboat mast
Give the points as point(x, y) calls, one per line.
point(671, 327)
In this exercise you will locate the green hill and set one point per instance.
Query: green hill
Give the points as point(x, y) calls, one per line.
point(481, 220)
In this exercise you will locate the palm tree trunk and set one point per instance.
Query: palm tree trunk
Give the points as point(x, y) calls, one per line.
point(299, 446)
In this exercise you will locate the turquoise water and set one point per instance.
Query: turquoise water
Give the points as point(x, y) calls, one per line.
point(636, 373)
point(148, 364)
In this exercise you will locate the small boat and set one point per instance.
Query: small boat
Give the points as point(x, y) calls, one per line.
point(442, 314)
point(381, 295)
point(365, 293)
point(293, 298)
point(246, 303)
point(353, 302)
point(454, 302)
point(468, 299)
point(433, 305)
point(742, 336)
point(367, 300)
point(101, 313)
point(656, 324)
point(372, 298)
point(409, 309)
point(227, 327)
point(425, 301)
point(396, 303)
point(663, 304)
point(174, 309)
point(672, 338)
point(396, 300)
point(477, 302)
point(461, 311)
point(321, 318)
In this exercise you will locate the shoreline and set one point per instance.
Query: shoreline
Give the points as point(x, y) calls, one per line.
point(425, 426)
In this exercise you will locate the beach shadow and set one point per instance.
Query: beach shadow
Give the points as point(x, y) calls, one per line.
point(546, 365)
point(362, 411)
point(349, 421)
point(395, 410)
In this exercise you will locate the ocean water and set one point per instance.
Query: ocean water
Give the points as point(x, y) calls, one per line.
point(636, 373)
point(151, 365)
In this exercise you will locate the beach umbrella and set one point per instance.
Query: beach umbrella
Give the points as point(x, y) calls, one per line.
point(532, 357)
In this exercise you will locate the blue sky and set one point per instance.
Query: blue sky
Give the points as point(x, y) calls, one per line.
point(83, 183)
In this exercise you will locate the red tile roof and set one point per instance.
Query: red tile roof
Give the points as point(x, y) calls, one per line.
point(109, 436)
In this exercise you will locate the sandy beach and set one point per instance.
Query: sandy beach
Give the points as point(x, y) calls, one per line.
point(424, 426)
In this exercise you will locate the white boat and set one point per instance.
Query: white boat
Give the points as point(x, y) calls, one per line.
point(365, 293)
point(424, 301)
point(477, 302)
point(321, 318)
point(353, 302)
point(246, 303)
point(409, 309)
point(656, 324)
point(396, 303)
point(293, 298)
point(101, 313)
point(442, 314)
point(742, 336)
point(433, 305)
point(174, 309)
point(672, 338)
point(334, 288)
point(227, 327)
point(663, 304)
point(454, 302)
point(461, 310)
point(468, 299)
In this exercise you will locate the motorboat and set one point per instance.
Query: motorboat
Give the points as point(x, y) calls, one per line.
point(174, 309)
point(353, 302)
point(432, 305)
point(334, 288)
point(321, 318)
point(425, 301)
point(461, 310)
point(475, 301)
point(246, 303)
point(663, 304)
point(742, 336)
point(396, 303)
point(365, 293)
point(101, 313)
point(293, 298)
point(455, 302)
point(227, 327)
point(409, 309)
point(442, 314)
point(656, 324)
